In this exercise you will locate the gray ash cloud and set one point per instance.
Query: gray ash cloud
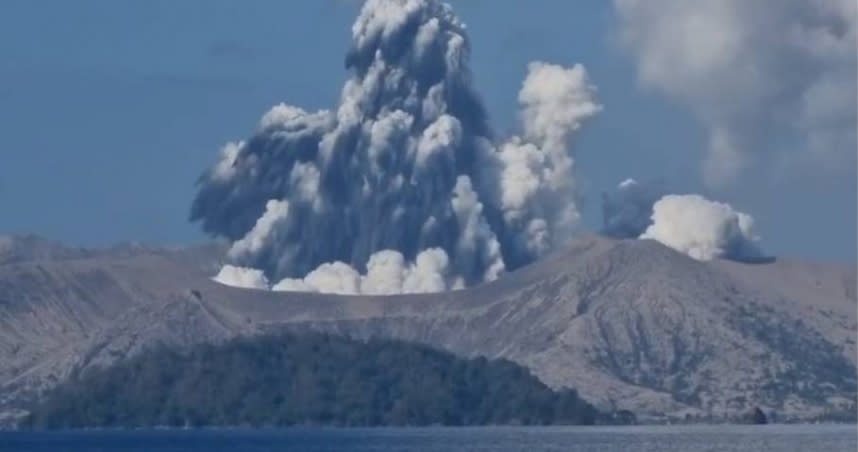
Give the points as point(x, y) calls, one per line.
point(403, 187)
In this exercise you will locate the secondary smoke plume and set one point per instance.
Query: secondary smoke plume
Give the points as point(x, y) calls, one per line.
point(774, 83)
point(627, 210)
point(403, 187)
point(701, 228)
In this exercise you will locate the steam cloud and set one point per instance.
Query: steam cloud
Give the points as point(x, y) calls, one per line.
point(771, 83)
point(403, 188)
point(248, 278)
point(701, 228)
point(690, 224)
point(387, 273)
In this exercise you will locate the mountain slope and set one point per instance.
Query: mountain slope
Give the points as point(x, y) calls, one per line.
point(630, 324)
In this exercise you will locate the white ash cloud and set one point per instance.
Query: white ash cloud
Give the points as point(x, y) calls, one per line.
point(387, 273)
point(774, 83)
point(702, 229)
point(627, 210)
point(536, 170)
point(248, 278)
point(402, 187)
point(690, 224)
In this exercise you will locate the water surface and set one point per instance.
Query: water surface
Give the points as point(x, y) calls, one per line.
point(770, 438)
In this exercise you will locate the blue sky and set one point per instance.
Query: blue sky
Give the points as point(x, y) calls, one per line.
point(111, 109)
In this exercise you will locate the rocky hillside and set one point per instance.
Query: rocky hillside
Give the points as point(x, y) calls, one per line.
point(630, 324)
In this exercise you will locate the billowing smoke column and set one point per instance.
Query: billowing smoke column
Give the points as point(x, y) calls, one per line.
point(403, 188)
point(690, 224)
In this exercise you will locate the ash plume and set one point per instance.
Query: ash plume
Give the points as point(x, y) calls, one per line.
point(402, 187)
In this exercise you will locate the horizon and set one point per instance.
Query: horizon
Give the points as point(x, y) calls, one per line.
point(204, 242)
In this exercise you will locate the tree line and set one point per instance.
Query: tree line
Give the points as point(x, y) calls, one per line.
point(308, 379)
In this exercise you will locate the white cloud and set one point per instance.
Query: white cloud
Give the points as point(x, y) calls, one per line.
point(292, 285)
point(555, 102)
point(756, 74)
point(536, 177)
point(225, 168)
point(387, 273)
point(702, 229)
point(428, 274)
point(276, 211)
point(335, 277)
point(248, 278)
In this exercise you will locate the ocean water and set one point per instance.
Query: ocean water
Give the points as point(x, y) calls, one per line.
point(770, 438)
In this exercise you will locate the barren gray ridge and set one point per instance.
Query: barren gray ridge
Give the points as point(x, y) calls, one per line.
point(629, 323)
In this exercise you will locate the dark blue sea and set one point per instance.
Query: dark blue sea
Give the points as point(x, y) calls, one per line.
point(771, 438)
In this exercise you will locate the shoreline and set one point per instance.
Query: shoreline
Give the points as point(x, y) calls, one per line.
point(640, 428)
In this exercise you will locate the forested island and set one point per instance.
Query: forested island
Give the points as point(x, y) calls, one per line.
point(313, 379)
